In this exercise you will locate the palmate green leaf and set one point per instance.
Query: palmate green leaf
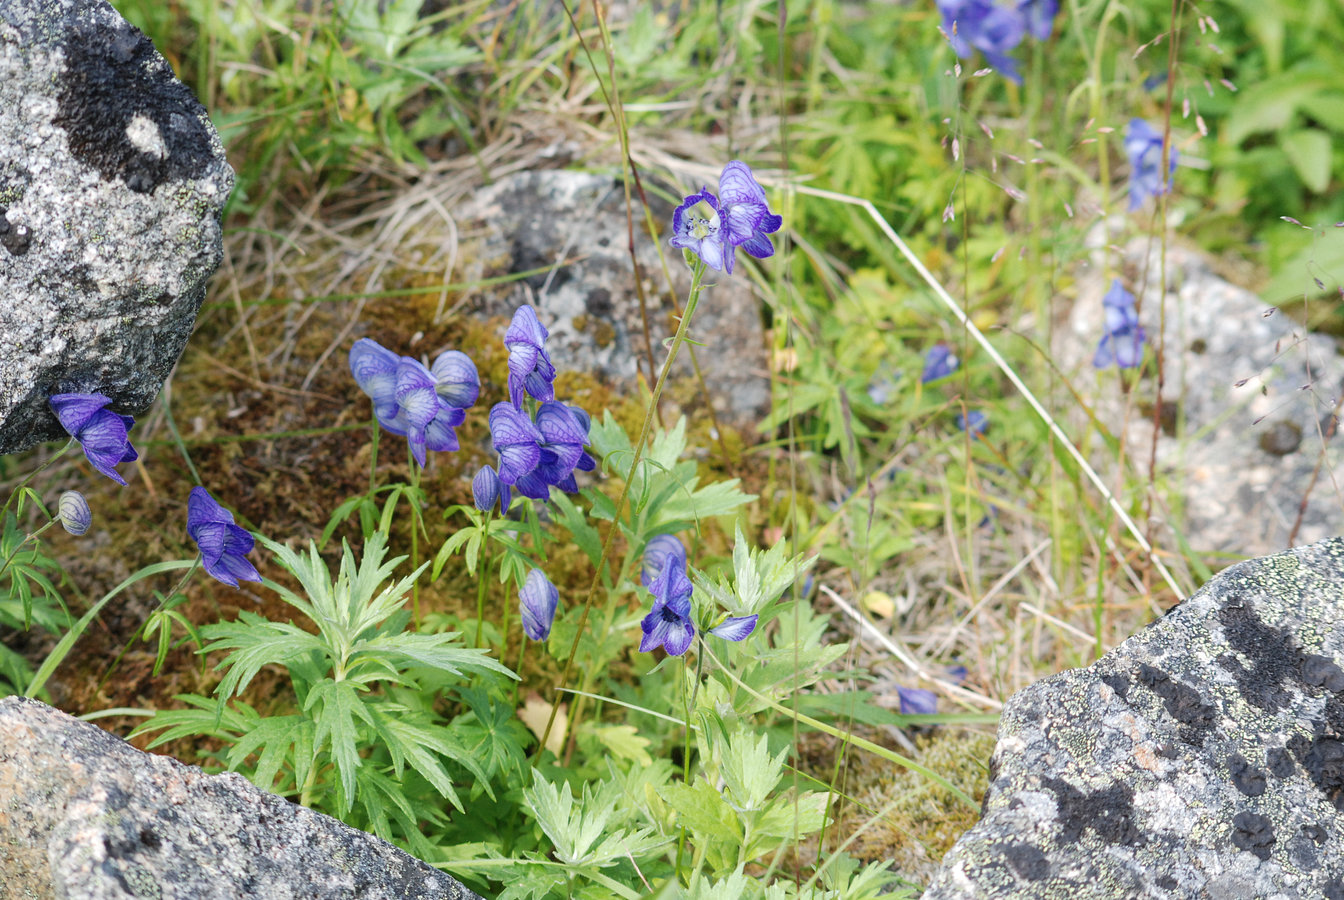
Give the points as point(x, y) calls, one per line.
point(257, 642)
point(491, 733)
point(435, 651)
point(208, 717)
point(412, 737)
point(276, 740)
point(702, 810)
point(572, 830)
point(334, 706)
point(748, 769)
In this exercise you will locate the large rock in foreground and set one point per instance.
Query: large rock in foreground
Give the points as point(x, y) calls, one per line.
point(112, 182)
point(86, 816)
point(1202, 758)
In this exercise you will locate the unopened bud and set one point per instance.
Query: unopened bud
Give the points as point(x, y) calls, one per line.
point(73, 511)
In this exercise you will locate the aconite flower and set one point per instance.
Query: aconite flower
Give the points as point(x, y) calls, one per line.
point(668, 624)
point(1143, 146)
point(101, 432)
point(224, 546)
point(1122, 339)
point(73, 511)
point(530, 367)
point(714, 227)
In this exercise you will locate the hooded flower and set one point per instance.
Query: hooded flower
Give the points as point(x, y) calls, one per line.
point(714, 227)
point(538, 599)
point(518, 443)
point(101, 432)
point(224, 546)
point(735, 628)
point(974, 421)
point(1039, 17)
point(668, 624)
point(1143, 146)
point(425, 418)
point(456, 379)
point(564, 432)
point(375, 370)
point(530, 368)
point(1122, 342)
point(696, 227)
point(746, 217)
point(657, 552)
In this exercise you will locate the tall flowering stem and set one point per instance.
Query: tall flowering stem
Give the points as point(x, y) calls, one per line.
point(697, 283)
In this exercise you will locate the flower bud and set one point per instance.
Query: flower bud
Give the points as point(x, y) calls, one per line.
point(487, 489)
point(538, 599)
point(73, 511)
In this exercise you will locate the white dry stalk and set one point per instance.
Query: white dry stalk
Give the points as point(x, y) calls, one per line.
point(960, 315)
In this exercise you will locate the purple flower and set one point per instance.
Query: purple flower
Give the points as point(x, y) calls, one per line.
point(518, 443)
point(1039, 17)
point(224, 546)
point(983, 25)
point(735, 628)
point(73, 512)
point(487, 489)
point(696, 227)
point(530, 367)
point(564, 432)
point(1143, 146)
point(538, 599)
point(974, 421)
point(456, 379)
point(714, 227)
point(375, 370)
point(1122, 342)
point(745, 217)
point(101, 432)
point(425, 418)
point(939, 362)
point(917, 701)
point(668, 624)
point(657, 552)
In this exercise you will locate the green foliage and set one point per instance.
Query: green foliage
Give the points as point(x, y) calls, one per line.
point(28, 596)
point(354, 734)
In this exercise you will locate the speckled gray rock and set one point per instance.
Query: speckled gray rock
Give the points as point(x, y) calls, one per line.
point(1202, 758)
point(535, 220)
point(86, 816)
point(1249, 406)
point(112, 182)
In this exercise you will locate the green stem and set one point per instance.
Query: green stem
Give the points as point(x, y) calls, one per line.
point(140, 633)
point(31, 475)
point(415, 534)
point(62, 648)
point(697, 277)
point(518, 669)
point(373, 459)
point(32, 537)
point(480, 583)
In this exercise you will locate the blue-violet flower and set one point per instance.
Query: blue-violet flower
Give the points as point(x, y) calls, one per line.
point(456, 378)
point(224, 545)
point(375, 370)
point(668, 624)
point(735, 628)
point(1143, 146)
point(1122, 342)
point(657, 552)
point(986, 26)
point(425, 418)
point(538, 599)
point(714, 227)
point(939, 362)
point(530, 367)
point(917, 701)
point(487, 490)
point(101, 432)
point(974, 421)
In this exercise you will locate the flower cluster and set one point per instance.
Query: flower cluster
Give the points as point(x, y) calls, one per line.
point(1143, 146)
point(714, 227)
point(537, 451)
point(1122, 341)
point(101, 432)
point(996, 28)
point(668, 624)
point(422, 405)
